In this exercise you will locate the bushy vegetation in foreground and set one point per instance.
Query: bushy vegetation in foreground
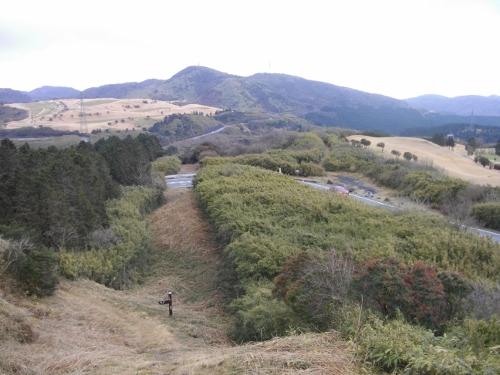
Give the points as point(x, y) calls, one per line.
point(167, 165)
point(265, 220)
point(300, 152)
point(121, 251)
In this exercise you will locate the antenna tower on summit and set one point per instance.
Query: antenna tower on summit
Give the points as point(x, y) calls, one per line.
point(83, 119)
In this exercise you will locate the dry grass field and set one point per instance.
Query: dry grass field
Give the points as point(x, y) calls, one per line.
point(118, 114)
point(455, 162)
point(86, 328)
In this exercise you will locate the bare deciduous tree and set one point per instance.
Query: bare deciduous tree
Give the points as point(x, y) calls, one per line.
point(484, 301)
point(459, 209)
point(62, 234)
point(328, 281)
point(102, 238)
point(11, 251)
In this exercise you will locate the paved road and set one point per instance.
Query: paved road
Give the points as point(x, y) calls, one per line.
point(483, 232)
point(186, 181)
point(180, 180)
point(369, 201)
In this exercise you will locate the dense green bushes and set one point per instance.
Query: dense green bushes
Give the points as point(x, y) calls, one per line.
point(301, 151)
point(488, 214)
point(167, 165)
point(286, 161)
point(400, 348)
point(344, 157)
point(117, 262)
point(263, 219)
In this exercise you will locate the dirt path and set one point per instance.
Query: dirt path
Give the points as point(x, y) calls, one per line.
point(86, 328)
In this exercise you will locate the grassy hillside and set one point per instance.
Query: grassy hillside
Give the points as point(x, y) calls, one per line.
point(455, 162)
point(101, 114)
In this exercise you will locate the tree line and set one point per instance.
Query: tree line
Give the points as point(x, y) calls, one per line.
point(57, 198)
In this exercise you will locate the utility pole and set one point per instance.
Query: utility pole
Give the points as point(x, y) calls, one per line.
point(83, 120)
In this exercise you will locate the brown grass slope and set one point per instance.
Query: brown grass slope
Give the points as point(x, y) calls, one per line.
point(107, 113)
point(86, 328)
point(455, 162)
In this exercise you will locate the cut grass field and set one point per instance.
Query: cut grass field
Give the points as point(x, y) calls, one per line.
point(455, 162)
point(86, 328)
point(117, 114)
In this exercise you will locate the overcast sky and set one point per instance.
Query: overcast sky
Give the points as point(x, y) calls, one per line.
point(398, 48)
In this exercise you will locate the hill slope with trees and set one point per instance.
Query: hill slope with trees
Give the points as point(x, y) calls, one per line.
point(467, 105)
point(319, 103)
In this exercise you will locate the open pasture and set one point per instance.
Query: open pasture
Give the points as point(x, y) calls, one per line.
point(117, 114)
point(455, 162)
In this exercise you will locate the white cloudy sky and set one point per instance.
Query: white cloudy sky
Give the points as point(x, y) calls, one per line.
point(398, 48)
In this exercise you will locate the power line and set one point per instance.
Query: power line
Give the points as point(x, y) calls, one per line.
point(83, 119)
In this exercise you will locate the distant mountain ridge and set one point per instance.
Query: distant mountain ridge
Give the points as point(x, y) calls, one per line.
point(211, 87)
point(319, 103)
point(53, 92)
point(13, 96)
point(460, 105)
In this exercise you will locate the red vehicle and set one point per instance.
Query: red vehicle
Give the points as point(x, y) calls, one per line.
point(339, 189)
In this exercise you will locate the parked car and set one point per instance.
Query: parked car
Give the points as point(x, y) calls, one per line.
point(339, 189)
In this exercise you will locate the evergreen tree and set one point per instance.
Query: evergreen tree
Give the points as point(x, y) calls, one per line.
point(439, 139)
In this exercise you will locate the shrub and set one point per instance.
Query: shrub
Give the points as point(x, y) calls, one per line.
point(488, 214)
point(37, 272)
point(426, 296)
point(419, 293)
point(126, 250)
point(382, 282)
point(310, 169)
point(259, 316)
point(167, 165)
point(484, 301)
point(315, 286)
point(398, 347)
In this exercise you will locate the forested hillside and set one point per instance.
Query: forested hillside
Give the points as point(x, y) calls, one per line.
point(461, 131)
point(59, 202)
point(8, 113)
point(13, 96)
point(467, 105)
